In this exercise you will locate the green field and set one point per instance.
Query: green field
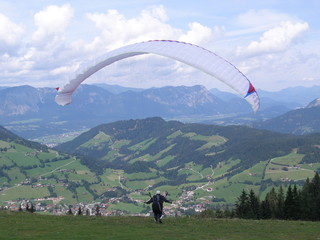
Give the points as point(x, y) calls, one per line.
point(15, 225)
point(32, 173)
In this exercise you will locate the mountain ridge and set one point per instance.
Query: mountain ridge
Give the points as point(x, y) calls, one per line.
point(300, 121)
point(241, 142)
point(32, 112)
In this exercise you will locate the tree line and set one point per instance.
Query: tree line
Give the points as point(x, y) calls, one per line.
point(292, 204)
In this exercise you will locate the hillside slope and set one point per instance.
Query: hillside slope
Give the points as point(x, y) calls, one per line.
point(31, 171)
point(132, 140)
point(117, 164)
point(299, 122)
point(33, 114)
point(203, 158)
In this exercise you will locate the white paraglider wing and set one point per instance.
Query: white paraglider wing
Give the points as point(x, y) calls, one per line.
point(192, 55)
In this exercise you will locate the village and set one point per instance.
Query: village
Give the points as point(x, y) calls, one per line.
point(54, 204)
point(182, 206)
point(186, 204)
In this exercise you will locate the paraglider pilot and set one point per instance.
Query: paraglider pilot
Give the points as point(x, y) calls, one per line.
point(157, 205)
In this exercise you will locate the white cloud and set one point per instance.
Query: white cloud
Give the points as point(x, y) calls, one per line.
point(53, 40)
point(10, 32)
point(116, 30)
point(262, 18)
point(279, 70)
point(64, 70)
point(277, 39)
point(51, 22)
point(197, 34)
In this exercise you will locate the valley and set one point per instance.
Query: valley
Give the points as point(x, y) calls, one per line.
point(32, 113)
point(115, 166)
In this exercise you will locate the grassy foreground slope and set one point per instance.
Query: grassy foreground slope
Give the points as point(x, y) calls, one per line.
point(33, 226)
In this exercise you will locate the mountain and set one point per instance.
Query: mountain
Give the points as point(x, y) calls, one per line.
point(23, 100)
point(300, 121)
point(314, 103)
point(33, 114)
point(171, 146)
point(206, 144)
point(118, 163)
point(283, 100)
point(8, 137)
point(197, 159)
point(298, 96)
point(117, 89)
point(29, 170)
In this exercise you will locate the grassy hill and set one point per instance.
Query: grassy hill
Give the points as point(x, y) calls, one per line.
point(196, 163)
point(118, 164)
point(29, 170)
point(33, 226)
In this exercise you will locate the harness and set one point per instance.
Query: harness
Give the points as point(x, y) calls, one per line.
point(157, 202)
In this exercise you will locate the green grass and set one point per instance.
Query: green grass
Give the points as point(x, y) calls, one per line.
point(291, 159)
point(33, 226)
point(164, 161)
point(231, 191)
point(223, 167)
point(98, 141)
point(27, 192)
point(62, 191)
point(253, 174)
point(15, 175)
point(136, 184)
point(142, 145)
point(292, 174)
point(149, 157)
point(175, 134)
point(84, 195)
point(140, 175)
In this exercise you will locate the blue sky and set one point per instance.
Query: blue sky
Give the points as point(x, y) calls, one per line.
point(274, 42)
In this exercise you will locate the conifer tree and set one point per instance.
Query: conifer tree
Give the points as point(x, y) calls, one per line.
point(254, 203)
point(272, 203)
point(289, 204)
point(266, 212)
point(316, 188)
point(306, 201)
point(242, 205)
point(280, 204)
point(296, 203)
point(310, 199)
point(227, 212)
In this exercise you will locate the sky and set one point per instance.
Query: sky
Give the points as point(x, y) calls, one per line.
point(275, 43)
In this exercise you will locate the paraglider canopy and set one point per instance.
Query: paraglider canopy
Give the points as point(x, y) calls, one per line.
point(190, 54)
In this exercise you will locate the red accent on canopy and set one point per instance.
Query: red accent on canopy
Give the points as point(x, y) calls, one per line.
point(251, 89)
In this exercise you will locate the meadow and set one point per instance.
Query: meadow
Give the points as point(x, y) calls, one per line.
point(22, 225)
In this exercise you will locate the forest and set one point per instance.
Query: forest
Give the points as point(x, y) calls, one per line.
point(292, 204)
